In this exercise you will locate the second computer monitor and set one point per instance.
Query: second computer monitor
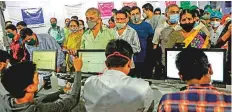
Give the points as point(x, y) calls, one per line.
point(216, 58)
point(93, 60)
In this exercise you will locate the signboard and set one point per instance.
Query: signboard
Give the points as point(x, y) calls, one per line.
point(73, 10)
point(130, 4)
point(185, 4)
point(169, 3)
point(33, 17)
point(105, 8)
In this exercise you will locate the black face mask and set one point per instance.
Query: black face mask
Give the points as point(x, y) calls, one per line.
point(188, 27)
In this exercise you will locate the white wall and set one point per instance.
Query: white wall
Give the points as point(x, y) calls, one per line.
point(55, 8)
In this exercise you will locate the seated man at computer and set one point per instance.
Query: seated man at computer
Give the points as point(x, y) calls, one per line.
point(21, 81)
point(114, 91)
point(195, 69)
point(41, 42)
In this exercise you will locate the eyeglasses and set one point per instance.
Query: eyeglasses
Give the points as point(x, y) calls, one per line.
point(118, 19)
point(174, 12)
point(135, 14)
point(90, 18)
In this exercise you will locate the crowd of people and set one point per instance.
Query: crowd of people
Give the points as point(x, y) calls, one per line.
point(134, 40)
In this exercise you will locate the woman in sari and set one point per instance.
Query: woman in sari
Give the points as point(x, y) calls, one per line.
point(189, 35)
point(72, 43)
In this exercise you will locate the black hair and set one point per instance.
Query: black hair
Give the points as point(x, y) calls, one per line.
point(121, 46)
point(25, 31)
point(148, 6)
point(74, 21)
point(22, 23)
point(53, 18)
point(192, 63)
point(127, 9)
point(195, 13)
point(114, 10)
point(136, 7)
point(82, 23)
point(4, 56)
point(112, 19)
point(11, 26)
point(201, 12)
point(8, 22)
point(74, 17)
point(184, 12)
point(157, 9)
point(122, 12)
point(18, 77)
point(66, 19)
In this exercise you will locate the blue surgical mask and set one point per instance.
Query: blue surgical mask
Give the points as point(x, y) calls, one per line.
point(196, 23)
point(174, 18)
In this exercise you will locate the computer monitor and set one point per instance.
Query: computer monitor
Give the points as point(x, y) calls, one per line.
point(45, 60)
point(216, 57)
point(93, 60)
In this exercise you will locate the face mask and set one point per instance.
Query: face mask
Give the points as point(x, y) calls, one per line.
point(144, 15)
point(187, 27)
point(81, 27)
point(206, 16)
point(91, 24)
point(10, 35)
point(53, 24)
point(31, 42)
point(196, 23)
point(215, 24)
point(73, 30)
point(120, 25)
point(174, 18)
point(67, 24)
point(135, 18)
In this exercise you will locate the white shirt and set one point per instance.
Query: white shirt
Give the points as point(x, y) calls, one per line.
point(215, 35)
point(114, 91)
point(131, 36)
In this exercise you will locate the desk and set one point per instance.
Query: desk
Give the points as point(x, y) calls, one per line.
point(160, 87)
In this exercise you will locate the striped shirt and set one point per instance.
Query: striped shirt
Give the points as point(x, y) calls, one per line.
point(131, 36)
point(196, 98)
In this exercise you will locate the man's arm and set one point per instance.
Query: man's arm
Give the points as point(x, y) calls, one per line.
point(156, 38)
point(62, 35)
point(161, 105)
point(69, 103)
point(135, 43)
point(149, 99)
point(65, 104)
point(83, 42)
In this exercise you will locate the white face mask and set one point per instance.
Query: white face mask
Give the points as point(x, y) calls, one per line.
point(81, 27)
point(144, 15)
point(120, 25)
point(215, 24)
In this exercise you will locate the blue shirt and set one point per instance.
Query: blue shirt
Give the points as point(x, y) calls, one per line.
point(46, 42)
point(144, 30)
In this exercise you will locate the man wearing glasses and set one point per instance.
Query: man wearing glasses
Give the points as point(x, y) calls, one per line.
point(125, 32)
point(97, 36)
